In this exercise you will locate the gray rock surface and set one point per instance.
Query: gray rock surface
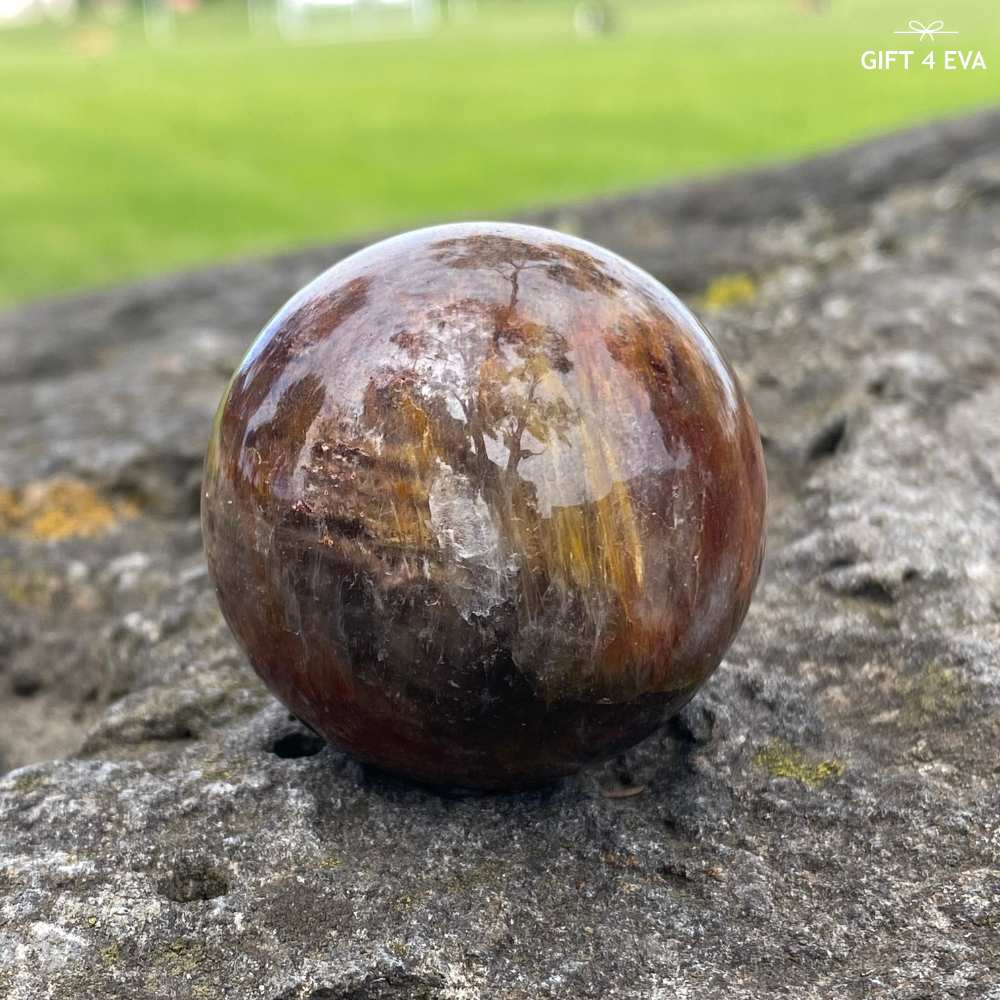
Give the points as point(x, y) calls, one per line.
point(822, 821)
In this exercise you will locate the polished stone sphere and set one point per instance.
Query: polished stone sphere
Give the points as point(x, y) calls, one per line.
point(483, 504)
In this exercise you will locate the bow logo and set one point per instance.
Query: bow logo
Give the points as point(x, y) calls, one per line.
point(925, 31)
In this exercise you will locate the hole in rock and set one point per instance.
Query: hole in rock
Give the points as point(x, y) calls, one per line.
point(873, 590)
point(829, 440)
point(293, 745)
point(841, 562)
point(25, 685)
point(888, 244)
point(193, 880)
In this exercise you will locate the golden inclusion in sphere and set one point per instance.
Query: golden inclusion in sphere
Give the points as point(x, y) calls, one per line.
point(483, 504)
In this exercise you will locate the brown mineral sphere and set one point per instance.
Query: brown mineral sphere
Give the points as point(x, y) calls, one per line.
point(484, 504)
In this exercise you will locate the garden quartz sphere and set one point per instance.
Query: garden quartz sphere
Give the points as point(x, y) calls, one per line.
point(483, 504)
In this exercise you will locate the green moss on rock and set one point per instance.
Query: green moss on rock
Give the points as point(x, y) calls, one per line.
point(782, 760)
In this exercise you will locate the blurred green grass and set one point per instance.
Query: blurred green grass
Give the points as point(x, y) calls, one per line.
point(120, 158)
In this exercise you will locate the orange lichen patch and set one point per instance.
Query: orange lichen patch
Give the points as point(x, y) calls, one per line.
point(730, 290)
point(54, 509)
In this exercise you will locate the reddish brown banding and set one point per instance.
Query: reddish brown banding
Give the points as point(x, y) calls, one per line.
point(484, 503)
